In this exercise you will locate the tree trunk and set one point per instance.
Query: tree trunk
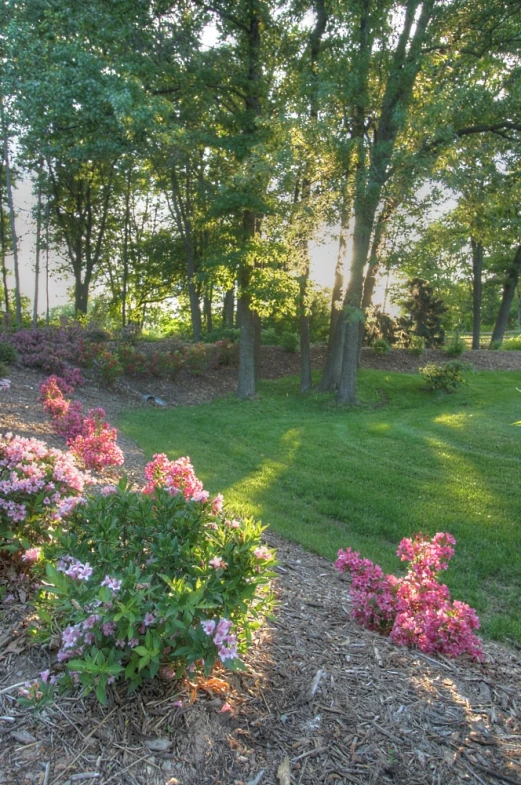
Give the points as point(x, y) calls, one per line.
point(81, 296)
point(509, 288)
point(125, 250)
point(207, 307)
point(229, 308)
point(10, 202)
point(3, 248)
point(246, 380)
point(305, 345)
point(333, 364)
point(38, 245)
point(477, 269)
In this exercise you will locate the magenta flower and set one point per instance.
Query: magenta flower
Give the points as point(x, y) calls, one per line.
point(32, 555)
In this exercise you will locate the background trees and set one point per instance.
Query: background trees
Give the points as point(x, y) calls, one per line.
point(194, 149)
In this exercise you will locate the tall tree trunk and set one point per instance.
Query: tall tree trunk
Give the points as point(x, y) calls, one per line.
point(3, 248)
point(305, 345)
point(477, 269)
point(229, 308)
point(125, 250)
point(333, 364)
point(246, 380)
point(38, 244)
point(509, 288)
point(10, 202)
point(248, 357)
point(47, 304)
point(207, 307)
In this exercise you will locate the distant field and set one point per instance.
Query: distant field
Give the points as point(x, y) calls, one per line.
point(405, 460)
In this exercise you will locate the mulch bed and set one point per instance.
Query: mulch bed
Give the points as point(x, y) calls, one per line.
point(323, 701)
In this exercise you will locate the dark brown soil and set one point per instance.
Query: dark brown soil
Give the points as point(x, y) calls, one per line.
point(323, 701)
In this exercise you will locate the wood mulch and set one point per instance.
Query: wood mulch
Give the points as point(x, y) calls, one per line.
point(323, 701)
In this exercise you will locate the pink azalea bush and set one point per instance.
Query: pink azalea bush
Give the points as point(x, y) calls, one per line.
point(415, 610)
point(96, 444)
point(148, 583)
point(90, 438)
point(38, 486)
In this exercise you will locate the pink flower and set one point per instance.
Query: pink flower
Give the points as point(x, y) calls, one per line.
point(217, 562)
point(208, 626)
point(5, 384)
point(262, 553)
point(31, 555)
point(200, 496)
point(113, 583)
point(217, 503)
point(149, 619)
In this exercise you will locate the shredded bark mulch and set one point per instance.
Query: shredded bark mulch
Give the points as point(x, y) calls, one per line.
point(323, 701)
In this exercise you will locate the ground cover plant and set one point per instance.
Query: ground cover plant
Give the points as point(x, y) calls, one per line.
point(367, 476)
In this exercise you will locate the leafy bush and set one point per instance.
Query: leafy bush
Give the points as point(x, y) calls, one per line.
point(38, 486)
point(381, 347)
point(290, 342)
point(269, 337)
point(511, 344)
point(49, 348)
point(133, 362)
point(379, 325)
point(449, 376)
point(423, 315)
point(416, 345)
point(168, 364)
point(7, 352)
point(226, 354)
point(156, 583)
point(97, 335)
point(196, 358)
point(456, 347)
point(495, 346)
point(416, 610)
point(108, 367)
point(232, 334)
point(3, 370)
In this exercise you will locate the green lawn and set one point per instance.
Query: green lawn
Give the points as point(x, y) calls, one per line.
point(405, 460)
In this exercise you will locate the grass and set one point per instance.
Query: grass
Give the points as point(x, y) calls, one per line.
point(403, 461)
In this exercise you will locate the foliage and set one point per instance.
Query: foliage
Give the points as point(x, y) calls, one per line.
point(109, 367)
point(196, 358)
point(157, 583)
point(448, 377)
point(49, 348)
point(3, 370)
point(510, 344)
point(132, 361)
point(415, 610)
point(226, 354)
point(38, 486)
point(167, 363)
point(7, 352)
point(379, 325)
point(380, 347)
point(423, 314)
point(289, 342)
point(456, 347)
point(416, 345)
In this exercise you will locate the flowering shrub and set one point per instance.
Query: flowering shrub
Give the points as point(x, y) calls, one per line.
point(157, 583)
point(226, 353)
point(416, 610)
point(174, 476)
point(37, 487)
point(5, 384)
point(96, 443)
point(90, 437)
point(109, 367)
point(168, 364)
point(132, 361)
point(49, 348)
point(196, 358)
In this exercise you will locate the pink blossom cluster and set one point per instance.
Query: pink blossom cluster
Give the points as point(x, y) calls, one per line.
point(96, 445)
point(225, 641)
point(74, 569)
point(90, 437)
point(34, 478)
point(5, 384)
point(175, 476)
point(415, 610)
